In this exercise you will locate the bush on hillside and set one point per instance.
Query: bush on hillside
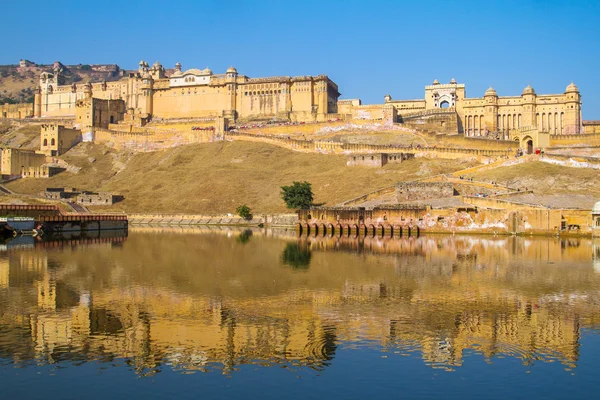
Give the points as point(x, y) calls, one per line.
point(298, 195)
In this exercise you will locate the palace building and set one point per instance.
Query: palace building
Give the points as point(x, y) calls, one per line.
point(151, 93)
point(449, 105)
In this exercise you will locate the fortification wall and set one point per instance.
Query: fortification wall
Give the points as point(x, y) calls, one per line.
point(440, 122)
point(16, 111)
point(591, 139)
point(13, 160)
point(338, 147)
point(591, 127)
point(151, 140)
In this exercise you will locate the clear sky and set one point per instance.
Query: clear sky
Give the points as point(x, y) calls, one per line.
point(368, 47)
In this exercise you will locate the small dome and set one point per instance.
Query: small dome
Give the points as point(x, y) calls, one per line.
point(231, 70)
point(156, 65)
point(596, 208)
point(436, 82)
point(142, 63)
point(528, 90)
point(572, 88)
point(207, 71)
point(178, 65)
point(491, 92)
point(452, 80)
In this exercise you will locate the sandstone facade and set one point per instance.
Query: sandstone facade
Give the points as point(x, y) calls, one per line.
point(196, 93)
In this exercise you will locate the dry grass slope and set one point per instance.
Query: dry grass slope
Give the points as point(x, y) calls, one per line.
point(217, 177)
point(544, 178)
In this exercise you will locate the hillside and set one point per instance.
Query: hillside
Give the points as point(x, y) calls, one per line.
point(217, 177)
point(17, 83)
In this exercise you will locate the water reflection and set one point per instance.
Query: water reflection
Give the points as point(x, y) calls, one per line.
point(296, 255)
point(199, 301)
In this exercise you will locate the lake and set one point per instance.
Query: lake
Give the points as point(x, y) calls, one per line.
point(229, 313)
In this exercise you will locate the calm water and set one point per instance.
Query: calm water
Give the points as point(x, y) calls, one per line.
point(242, 314)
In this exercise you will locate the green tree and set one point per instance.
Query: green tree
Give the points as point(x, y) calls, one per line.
point(298, 195)
point(244, 211)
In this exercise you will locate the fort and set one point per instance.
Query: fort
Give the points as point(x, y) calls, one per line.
point(154, 108)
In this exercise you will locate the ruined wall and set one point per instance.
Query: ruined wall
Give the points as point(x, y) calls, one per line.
point(367, 160)
point(406, 191)
point(13, 160)
point(377, 159)
point(95, 199)
point(17, 111)
point(40, 172)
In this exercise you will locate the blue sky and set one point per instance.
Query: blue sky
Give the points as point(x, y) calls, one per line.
point(369, 48)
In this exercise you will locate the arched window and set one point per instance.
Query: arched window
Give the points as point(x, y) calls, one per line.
point(52, 142)
point(45, 142)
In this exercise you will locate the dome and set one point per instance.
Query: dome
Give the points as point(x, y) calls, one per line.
point(157, 65)
point(231, 70)
point(528, 90)
point(207, 71)
point(436, 82)
point(491, 92)
point(178, 65)
point(142, 63)
point(572, 88)
point(596, 208)
point(452, 80)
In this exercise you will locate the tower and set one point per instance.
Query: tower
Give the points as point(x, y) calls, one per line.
point(528, 99)
point(571, 121)
point(147, 90)
point(231, 82)
point(37, 102)
point(491, 109)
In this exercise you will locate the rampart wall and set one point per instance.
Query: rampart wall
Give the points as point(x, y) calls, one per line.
point(591, 139)
point(16, 111)
point(338, 147)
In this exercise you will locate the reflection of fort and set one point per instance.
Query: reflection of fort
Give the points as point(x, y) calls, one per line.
point(439, 296)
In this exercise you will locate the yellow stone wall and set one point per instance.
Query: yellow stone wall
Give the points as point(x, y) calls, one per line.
point(14, 159)
point(553, 113)
point(196, 94)
point(56, 139)
point(21, 110)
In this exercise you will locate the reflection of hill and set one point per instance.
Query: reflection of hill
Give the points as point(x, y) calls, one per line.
point(200, 301)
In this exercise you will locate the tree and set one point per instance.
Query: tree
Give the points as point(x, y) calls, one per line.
point(244, 211)
point(298, 195)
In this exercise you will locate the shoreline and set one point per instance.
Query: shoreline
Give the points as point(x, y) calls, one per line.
point(290, 221)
